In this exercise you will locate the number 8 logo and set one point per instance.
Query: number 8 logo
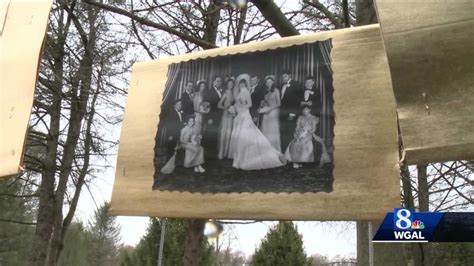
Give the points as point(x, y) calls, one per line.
point(403, 222)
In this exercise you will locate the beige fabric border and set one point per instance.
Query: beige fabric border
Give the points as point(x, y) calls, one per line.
point(430, 49)
point(23, 32)
point(366, 175)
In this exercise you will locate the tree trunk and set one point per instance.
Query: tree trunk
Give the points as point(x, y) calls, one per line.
point(272, 13)
point(407, 188)
point(75, 123)
point(423, 193)
point(46, 210)
point(387, 253)
point(345, 13)
point(211, 21)
point(240, 24)
point(44, 226)
point(423, 206)
point(80, 180)
point(411, 250)
point(48, 239)
point(194, 237)
point(362, 243)
point(365, 12)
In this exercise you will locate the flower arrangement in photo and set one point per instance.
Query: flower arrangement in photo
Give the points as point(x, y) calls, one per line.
point(204, 107)
point(196, 139)
point(232, 110)
point(264, 107)
point(302, 133)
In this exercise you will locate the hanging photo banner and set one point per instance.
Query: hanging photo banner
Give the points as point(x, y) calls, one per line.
point(295, 128)
point(430, 52)
point(22, 31)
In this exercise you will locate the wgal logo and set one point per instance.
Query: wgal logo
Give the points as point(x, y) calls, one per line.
point(405, 227)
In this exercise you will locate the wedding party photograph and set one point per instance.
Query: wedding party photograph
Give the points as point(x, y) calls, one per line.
point(261, 121)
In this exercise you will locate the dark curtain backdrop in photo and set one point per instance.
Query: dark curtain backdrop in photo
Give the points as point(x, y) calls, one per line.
point(312, 59)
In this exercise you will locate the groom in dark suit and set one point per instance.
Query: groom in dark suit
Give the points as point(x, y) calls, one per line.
point(291, 94)
point(312, 96)
point(187, 99)
point(210, 137)
point(257, 93)
point(174, 123)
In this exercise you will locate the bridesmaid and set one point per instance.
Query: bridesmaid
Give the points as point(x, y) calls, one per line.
point(301, 149)
point(271, 108)
point(225, 131)
point(198, 107)
point(194, 156)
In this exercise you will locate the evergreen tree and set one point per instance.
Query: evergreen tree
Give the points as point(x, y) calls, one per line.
point(104, 236)
point(16, 217)
point(96, 244)
point(146, 252)
point(455, 254)
point(318, 260)
point(282, 245)
point(229, 257)
point(77, 246)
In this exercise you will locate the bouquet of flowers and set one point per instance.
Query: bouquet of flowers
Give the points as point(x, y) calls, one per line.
point(196, 140)
point(204, 107)
point(264, 107)
point(232, 110)
point(301, 133)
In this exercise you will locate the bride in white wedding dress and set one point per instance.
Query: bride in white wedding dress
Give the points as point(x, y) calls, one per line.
point(251, 150)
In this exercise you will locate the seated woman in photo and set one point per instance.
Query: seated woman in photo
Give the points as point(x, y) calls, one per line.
point(301, 149)
point(190, 142)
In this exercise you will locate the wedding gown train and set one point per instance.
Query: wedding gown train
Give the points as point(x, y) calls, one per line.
point(251, 150)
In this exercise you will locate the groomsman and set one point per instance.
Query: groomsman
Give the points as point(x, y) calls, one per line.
point(257, 93)
point(210, 138)
point(291, 97)
point(174, 123)
point(312, 96)
point(187, 99)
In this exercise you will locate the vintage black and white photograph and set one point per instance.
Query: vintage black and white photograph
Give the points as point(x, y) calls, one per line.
point(253, 122)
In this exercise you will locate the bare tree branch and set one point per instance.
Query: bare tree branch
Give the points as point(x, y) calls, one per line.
point(273, 14)
point(147, 49)
point(147, 22)
point(16, 222)
point(331, 16)
point(18, 196)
